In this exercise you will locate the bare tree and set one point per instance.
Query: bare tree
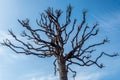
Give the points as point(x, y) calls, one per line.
point(57, 37)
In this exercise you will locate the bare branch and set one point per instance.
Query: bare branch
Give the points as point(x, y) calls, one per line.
point(55, 67)
point(56, 36)
point(74, 75)
point(68, 20)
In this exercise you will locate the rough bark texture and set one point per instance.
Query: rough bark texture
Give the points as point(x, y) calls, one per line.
point(62, 70)
point(57, 36)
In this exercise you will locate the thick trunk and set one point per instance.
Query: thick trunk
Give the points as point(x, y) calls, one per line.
point(62, 70)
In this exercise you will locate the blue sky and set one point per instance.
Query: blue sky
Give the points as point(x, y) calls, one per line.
point(21, 67)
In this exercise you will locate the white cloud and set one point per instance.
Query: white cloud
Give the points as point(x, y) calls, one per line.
point(80, 76)
point(39, 76)
point(49, 77)
point(4, 36)
point(89, 76)
point(6, 52)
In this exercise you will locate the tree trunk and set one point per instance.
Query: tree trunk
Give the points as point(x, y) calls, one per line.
point(62, 70)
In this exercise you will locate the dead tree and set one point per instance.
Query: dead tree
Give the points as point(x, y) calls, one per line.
point(58, 35)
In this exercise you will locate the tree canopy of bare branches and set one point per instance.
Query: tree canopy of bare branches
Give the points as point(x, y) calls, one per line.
point(58, 35)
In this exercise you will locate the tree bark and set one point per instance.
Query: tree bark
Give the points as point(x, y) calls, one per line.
point(62, 70)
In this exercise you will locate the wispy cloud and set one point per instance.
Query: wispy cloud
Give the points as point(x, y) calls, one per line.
point(35, 75)
point(80, 76)
point(109, 19)
point(49, 77)
point(4, 36)
point(84, 74)
point(89, 76)
point(4, 51)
